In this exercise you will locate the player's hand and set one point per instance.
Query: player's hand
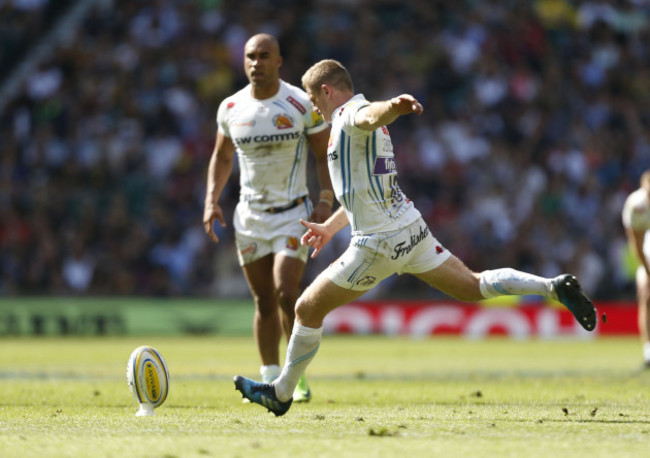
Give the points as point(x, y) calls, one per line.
point(316, 236)
point(405, 104)
point(212, 213)
point(321, 212)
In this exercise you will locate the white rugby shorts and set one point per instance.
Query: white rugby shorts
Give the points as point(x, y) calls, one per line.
point(371, 258)
point(258, 233)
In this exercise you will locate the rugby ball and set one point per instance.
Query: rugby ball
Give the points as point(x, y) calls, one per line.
point(148, 378)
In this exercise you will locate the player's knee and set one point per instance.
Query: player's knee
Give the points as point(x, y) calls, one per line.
point(287, 296)
point(308, 314)
point(302, 310)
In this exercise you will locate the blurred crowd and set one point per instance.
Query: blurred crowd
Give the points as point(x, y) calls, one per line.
point(22, 25)
point(536, 127)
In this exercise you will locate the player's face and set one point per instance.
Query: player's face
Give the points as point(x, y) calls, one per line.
point(262, 62)
point(320, 102)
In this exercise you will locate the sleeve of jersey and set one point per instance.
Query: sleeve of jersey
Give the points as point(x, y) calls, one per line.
point(631, 219)
point(314, 122)
point(626, 218)
point(351, 112)
point(222, 125)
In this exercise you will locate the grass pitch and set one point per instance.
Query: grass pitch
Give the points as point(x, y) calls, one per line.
point(373, 397)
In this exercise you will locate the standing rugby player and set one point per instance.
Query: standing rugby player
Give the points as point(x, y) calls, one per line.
point(636, 220)
point(269, 124)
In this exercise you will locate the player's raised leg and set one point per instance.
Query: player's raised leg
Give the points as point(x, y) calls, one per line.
point(457, 280)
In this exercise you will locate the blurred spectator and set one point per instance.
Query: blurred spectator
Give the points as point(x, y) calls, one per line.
point(78, 268)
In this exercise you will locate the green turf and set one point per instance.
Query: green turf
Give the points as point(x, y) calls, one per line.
point(373, 396)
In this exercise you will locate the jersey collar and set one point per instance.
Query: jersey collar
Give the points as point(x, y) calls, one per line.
point(339, 110)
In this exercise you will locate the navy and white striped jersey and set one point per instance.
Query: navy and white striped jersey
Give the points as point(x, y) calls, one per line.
point(363, 173)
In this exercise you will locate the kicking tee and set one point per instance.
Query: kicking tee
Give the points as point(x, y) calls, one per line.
point(362, 169)
point(270, 139)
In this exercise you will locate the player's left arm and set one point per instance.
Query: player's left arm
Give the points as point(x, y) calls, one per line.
point(379, 114)
point(318, 235)
point(318, 146)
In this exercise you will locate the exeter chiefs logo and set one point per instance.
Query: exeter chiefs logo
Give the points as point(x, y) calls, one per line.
point(283, 121)
point(292, 243)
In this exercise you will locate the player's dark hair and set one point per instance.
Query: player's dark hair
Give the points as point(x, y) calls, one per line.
point(266, 37)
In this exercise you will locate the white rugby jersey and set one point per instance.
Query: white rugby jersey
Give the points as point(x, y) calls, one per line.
point(270, 139)
point(636, 211)
point(363, 173)
point(636, 215)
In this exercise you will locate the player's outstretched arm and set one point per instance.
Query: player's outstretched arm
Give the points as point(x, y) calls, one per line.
point(219, 171)
point(379, 114)
point(318, 235)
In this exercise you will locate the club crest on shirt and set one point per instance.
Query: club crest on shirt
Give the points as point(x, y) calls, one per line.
point(292, 243)
point(282, 121)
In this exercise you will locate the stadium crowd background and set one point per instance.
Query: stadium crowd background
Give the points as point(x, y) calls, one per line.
point(536, 127)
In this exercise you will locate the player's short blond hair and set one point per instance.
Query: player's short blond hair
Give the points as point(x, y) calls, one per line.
point(328, 71)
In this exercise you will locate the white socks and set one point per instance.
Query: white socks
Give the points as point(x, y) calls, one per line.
point(646, 351)
point(270, 372)
point(303, 345)
point(511, 282)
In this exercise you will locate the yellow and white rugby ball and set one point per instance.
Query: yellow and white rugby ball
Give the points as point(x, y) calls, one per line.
point(148, 379)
